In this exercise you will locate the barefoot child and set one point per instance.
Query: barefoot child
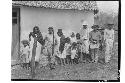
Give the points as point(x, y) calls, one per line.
point(25, 51)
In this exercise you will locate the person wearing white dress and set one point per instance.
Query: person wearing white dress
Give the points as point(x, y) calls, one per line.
point(84, 33)
point(25, 52)
point(74, 52)
point(36, 34)
point(109, 40)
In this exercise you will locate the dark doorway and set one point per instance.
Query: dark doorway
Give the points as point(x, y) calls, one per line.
point(15, 33)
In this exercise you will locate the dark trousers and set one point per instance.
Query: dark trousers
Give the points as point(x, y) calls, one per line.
point(68, 59)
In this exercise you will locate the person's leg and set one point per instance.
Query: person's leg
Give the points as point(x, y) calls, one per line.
point(92, 54)
point(79, 55)
point(61, 61)
point(96, 55)
point(77, 60)
point(90, 57)
point(84, 57)
point(66, 60)
point(69, 59)
point(107, 53)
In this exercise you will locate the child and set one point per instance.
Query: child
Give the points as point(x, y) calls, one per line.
point(73, 53)
point(79, 48)
point(68, 51)
point(25, 54)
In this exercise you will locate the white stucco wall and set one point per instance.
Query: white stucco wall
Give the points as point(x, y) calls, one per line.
point(65, 19)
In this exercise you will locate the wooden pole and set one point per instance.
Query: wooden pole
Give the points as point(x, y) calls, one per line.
point(33, 58)
point(53, 44)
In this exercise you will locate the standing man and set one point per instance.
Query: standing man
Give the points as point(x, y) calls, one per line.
point(61, 46)
point(85, 38)
point(36, 40)
point(50, 43)
point(95, 37)
point(109, 39)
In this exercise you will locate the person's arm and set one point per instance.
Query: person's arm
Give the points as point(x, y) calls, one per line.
point(31, 34)
point(56, 41)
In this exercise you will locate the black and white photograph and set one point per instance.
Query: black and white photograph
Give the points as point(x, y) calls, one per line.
point(66, 41)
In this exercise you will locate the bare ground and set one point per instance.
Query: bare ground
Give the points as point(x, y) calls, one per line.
point(82, 71)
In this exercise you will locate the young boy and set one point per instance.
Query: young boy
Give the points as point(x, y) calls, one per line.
point(25, 51)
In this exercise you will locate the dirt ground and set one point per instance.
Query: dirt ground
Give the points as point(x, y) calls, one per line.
point(81, 71)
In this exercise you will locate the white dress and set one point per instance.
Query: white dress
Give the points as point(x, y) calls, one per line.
point(73, 53)
point(109, 39)
point(73, 39)
point(65, 51)
point(38, 49)
point(57, 52)
point(25, 54)
point(85, 35)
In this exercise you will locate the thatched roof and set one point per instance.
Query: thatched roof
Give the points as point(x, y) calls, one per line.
point(79, 5)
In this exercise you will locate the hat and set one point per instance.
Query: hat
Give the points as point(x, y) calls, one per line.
point(25, 42)
point(50, 28)
point(78, 34)
point(95, 26)
point(36, 27)
point(84, 23)
point(59, 31)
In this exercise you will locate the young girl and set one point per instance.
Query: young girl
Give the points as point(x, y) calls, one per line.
point(25, 51)
point(73, 53)
point(67, 51)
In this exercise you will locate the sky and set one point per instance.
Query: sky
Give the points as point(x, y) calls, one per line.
point(108, 6)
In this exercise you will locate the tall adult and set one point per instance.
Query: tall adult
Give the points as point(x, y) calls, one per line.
point(109, 39)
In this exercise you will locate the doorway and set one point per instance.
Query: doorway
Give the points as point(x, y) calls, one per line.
point(15, 33)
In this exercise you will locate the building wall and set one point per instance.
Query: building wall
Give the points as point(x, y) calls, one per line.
point(45, 17)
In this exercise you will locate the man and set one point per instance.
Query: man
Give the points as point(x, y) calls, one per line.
point(61, 46)
point(95, 37)
point(85, 39)
point(39, 38)
point(109, 39)
point(50, 43)
point(36, 41)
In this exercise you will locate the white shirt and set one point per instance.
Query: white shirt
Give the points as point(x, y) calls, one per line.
point(84, 33)
point(73, 39)
point(109, 34)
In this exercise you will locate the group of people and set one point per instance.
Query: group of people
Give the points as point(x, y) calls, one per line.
point(61, 50)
